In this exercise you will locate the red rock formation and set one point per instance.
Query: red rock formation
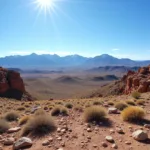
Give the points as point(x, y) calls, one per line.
point(139, 81)
point(11, 84)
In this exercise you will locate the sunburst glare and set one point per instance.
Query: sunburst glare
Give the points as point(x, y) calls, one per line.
point(45, 5)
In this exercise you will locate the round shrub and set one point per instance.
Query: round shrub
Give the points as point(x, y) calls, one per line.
point(56, 111)
point(68, 105)
point(130, 102)
point(39, 112)
point(64, 111)
point(21, 108)
point(11, 116)
point(136, 95)
point(110, 103)
point(94, 113)
point(121, 105)
point(97, 102)
point(140, 102)
point(39, 126)
point(133, 113)
point(4, 126)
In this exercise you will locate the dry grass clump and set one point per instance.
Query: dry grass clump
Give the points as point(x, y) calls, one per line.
point(110, 103)
point(59, 110)
point(140, 102)
point(133, 113)
point(4, 126)
point(24, 120)
point(59, 103)
point(27, 105)
point(69, 105)
point(130, 102)
point(64, 111)
point(136, 95)
point(94, 113)
point(121, 105)
point(39, 126)
point(56, 111)
point(39, 112)
point(97, 102)
point(21, 108)
point(11, 116)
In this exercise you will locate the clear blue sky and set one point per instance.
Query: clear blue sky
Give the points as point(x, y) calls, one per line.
point(87, 27)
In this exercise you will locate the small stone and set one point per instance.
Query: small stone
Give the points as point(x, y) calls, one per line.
point(147, 126)
point(128, 143)
point(112, 110)
point(89, 130)
point(45, 143)
point(94, 146)
point(12, 130)
point(109, 139)
point(59, 138)
point(119, 130)
point(58, 129)
point(104, 144)
point(9, 141)
point(112, 131)
point(114, 146)
point(60, 149)
point(50, 139)
point(63, 131)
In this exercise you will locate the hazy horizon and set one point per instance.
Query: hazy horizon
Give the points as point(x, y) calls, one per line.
point(66, 27)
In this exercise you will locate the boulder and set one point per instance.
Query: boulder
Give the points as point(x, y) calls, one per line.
point(140, 135)
point(22, 143)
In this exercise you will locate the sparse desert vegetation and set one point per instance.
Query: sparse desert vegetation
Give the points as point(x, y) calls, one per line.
point(4, 126)
point(11, 116)
point(133, 113)
point(94, 113)
point(59, 124)
point(136, 95)
point(121, 105)
point(39, 126)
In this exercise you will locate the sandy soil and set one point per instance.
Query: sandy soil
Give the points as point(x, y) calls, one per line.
point(77, 137)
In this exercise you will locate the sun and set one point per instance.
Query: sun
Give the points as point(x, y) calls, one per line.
point(45, 3)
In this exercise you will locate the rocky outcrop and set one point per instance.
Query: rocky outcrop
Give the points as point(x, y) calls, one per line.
point(137, 81)
point(11, 84)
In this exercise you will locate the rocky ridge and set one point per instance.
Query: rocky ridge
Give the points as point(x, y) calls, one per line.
point(12, 86)
point(137, 81)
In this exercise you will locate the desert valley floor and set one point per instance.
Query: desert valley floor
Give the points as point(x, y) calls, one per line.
point(72, 132)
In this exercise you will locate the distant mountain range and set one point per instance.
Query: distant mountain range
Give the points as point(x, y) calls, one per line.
point(111, 69)
point(46, 60)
